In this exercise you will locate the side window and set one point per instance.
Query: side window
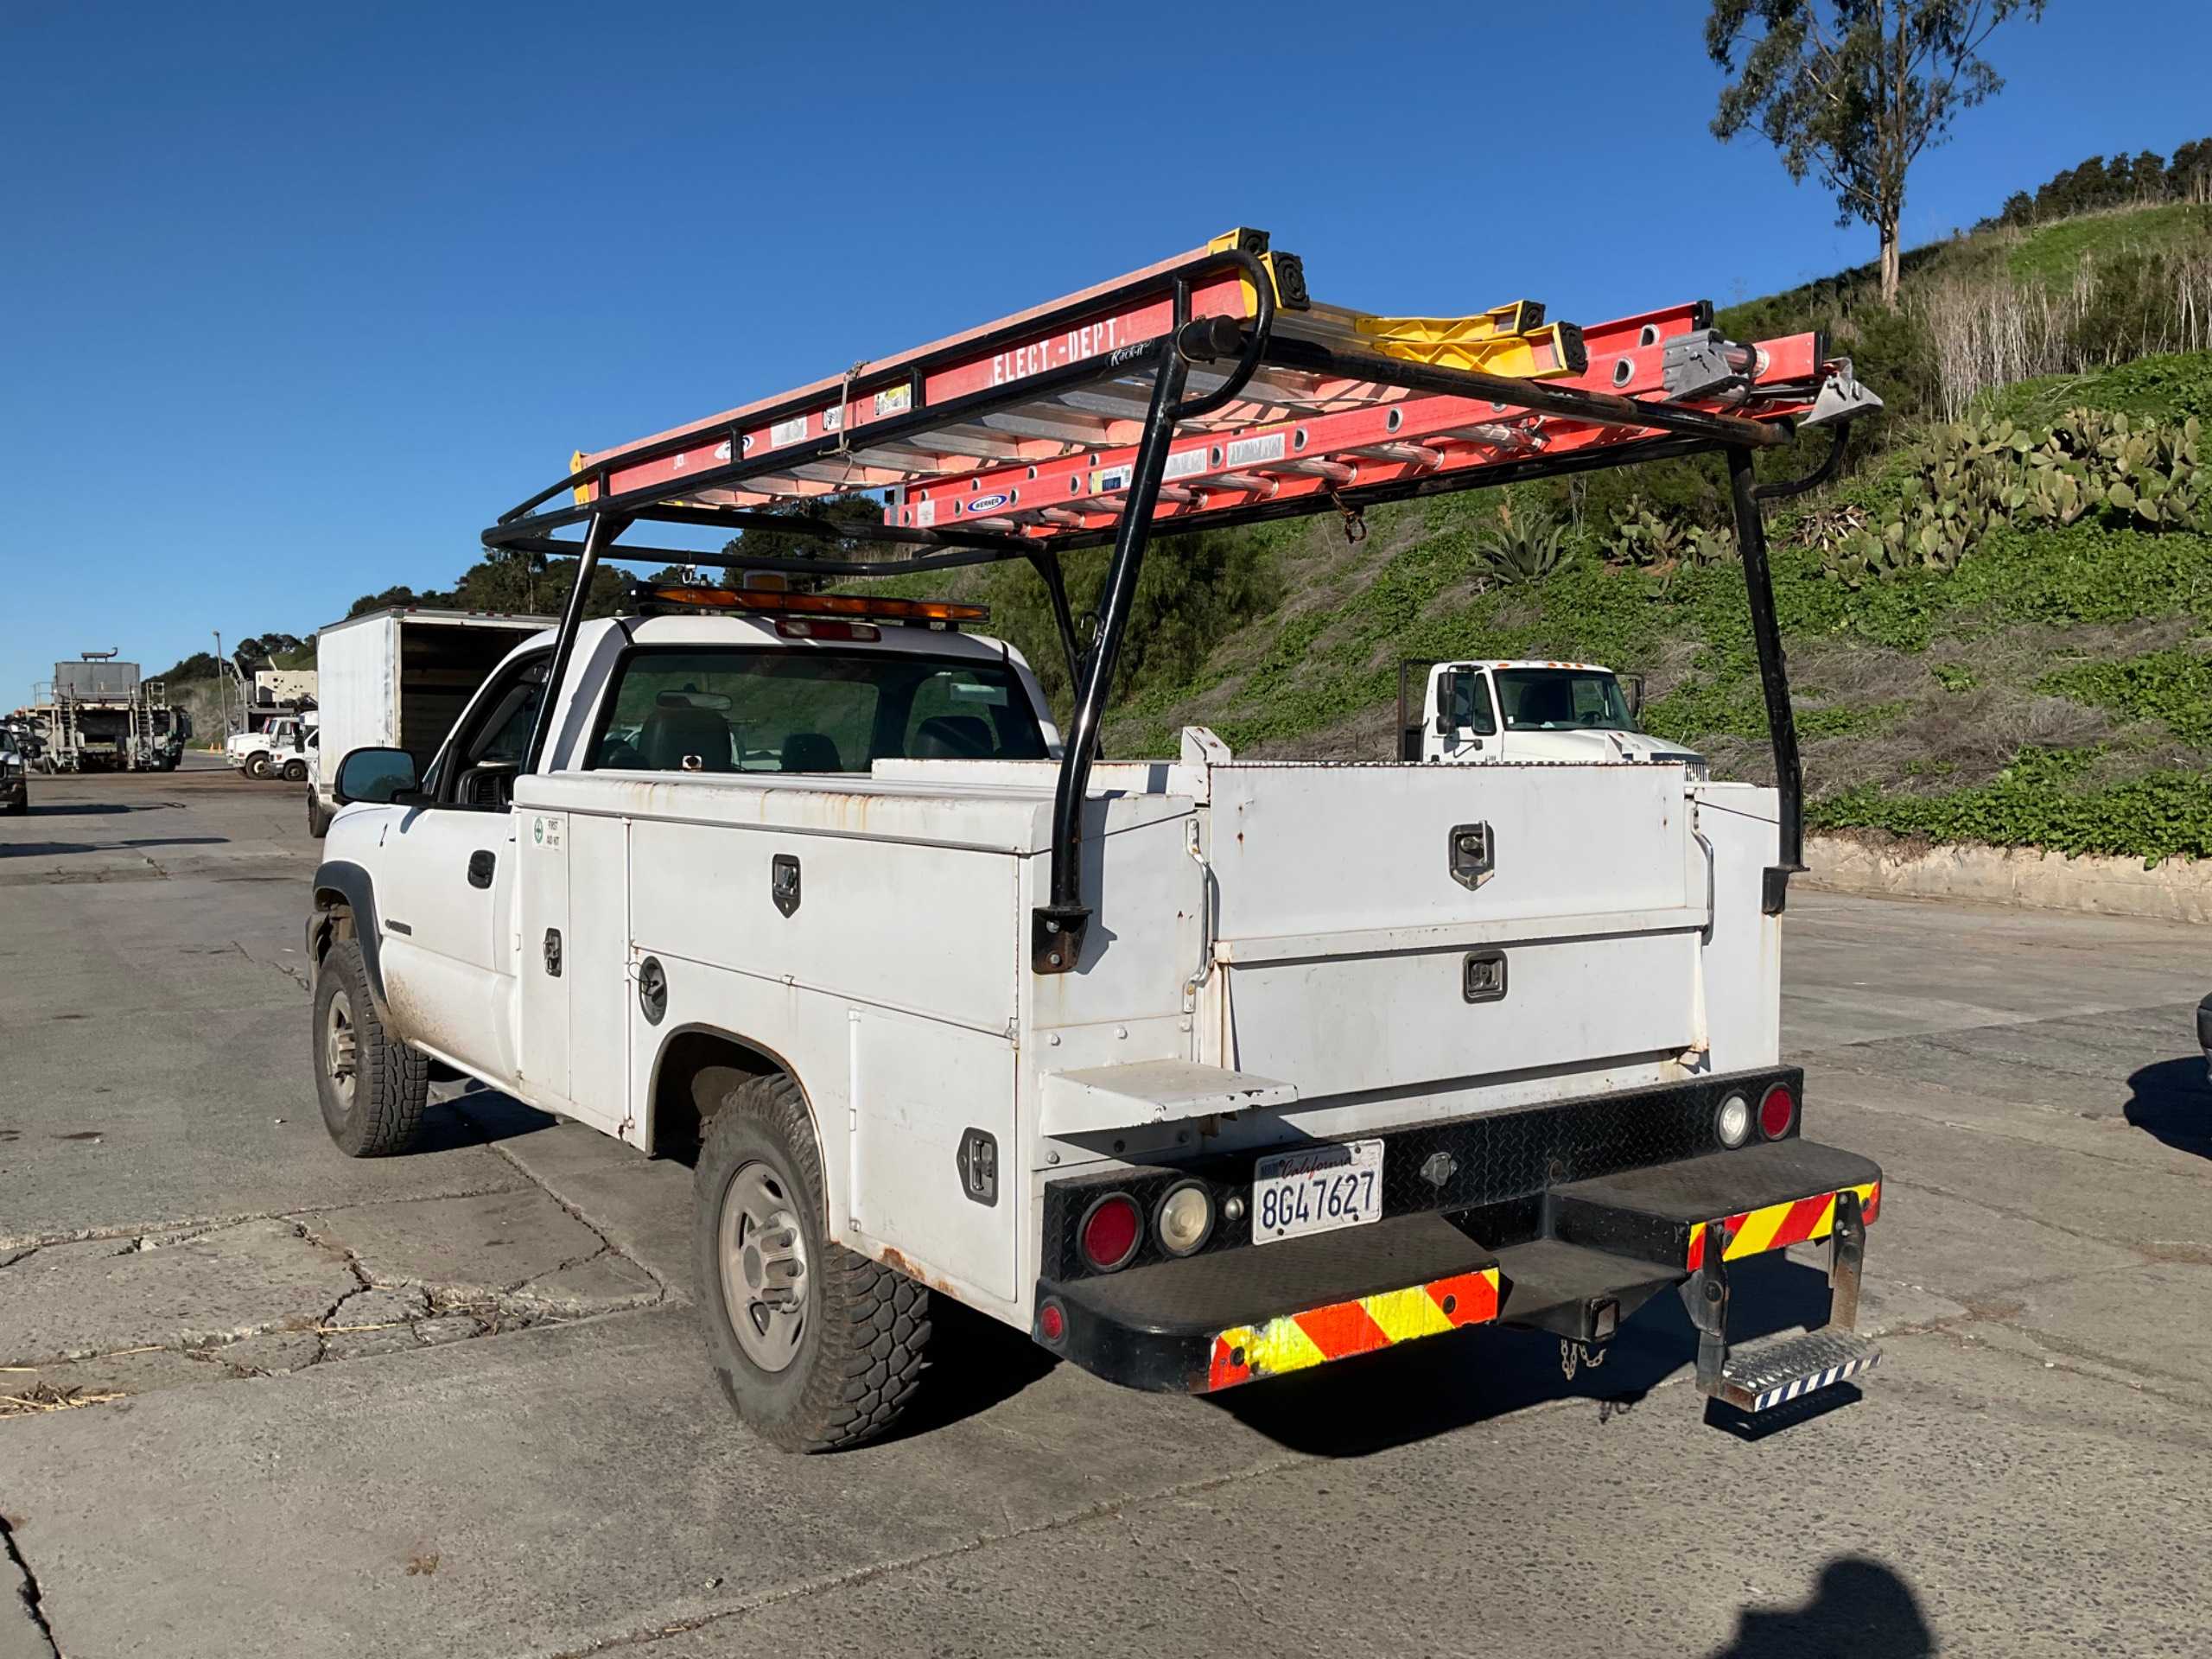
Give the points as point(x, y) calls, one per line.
point(1470, 708)
point(486, 755)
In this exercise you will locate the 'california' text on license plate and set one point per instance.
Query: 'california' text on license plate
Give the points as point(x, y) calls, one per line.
point(1317, 1190)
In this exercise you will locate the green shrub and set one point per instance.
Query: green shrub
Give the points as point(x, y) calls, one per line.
point(2039, 801)
point(2174, 686)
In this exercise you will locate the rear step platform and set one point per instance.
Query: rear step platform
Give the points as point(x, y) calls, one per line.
point(1770, 1197)
point(1214, 1319)
point(1774, 1371)
point(1608, 1245)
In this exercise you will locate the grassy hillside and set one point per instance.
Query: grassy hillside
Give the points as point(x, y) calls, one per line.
point(2037, 682)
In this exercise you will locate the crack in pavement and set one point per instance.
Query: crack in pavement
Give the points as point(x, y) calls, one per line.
point(28, 1589)
point(193, 1226)
point(459, 1106)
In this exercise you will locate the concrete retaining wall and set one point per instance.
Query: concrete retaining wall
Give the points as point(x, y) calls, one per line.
point(2179, 890)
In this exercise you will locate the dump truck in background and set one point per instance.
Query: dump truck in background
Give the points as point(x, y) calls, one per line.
point(398, 680)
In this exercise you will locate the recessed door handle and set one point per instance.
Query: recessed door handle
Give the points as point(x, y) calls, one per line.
point(480, 866)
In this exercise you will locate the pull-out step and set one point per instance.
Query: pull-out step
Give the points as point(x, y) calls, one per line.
point(1774, 1371)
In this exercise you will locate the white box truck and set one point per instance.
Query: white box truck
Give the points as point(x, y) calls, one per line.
point(398, 680)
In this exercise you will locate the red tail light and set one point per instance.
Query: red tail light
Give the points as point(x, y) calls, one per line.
point(1052, 1322)
point(1777, 1111)
point(1112, 1229)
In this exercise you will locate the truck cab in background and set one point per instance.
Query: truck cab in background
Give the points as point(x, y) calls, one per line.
point(1522, 710)
point(275, 751)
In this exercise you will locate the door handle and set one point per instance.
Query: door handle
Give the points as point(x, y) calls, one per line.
point(480, 864)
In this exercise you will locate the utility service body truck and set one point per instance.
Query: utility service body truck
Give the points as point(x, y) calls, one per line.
point(1197, 1071)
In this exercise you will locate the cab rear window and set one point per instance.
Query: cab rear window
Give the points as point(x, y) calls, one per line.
point(748, 709)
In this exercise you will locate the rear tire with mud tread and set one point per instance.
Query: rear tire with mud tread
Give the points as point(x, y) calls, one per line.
point(866, 1327)
point(391, 1082)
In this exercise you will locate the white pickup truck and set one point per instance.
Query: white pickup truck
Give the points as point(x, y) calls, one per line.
point(1197, 1070)
point(277, 750)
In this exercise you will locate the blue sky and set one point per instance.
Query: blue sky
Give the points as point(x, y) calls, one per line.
point(297, 298)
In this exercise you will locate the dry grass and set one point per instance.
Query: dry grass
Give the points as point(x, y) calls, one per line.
point(1950, 738)
point(44, 1396)
point(1990, 329)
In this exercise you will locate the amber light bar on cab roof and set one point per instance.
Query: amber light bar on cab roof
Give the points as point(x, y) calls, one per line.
point(683, 596)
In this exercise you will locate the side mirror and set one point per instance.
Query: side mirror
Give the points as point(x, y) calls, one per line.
point(374, 775)
point(1446, 685)
point(1633, 684)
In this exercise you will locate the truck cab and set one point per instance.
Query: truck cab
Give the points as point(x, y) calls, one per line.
point(1483, 713)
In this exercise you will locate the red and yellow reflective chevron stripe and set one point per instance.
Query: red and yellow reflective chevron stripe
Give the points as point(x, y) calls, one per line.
point(1295, 1341)
point(1780, 1225)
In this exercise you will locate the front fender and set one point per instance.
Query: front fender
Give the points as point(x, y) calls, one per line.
point(340, 881)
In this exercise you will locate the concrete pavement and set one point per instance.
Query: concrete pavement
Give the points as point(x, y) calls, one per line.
point(453, 1403)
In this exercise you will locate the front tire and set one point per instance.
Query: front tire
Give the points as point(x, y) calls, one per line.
point(816, 1347)
point(318, 820)
point(257, 767)
point(372, 1087)
point(296, 771)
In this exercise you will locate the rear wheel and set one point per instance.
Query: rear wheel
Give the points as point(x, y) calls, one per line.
point(318, 820)
point(373, 1087)
point(256, 767)
point(816, 1347)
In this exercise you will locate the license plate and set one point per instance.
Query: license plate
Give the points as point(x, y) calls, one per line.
point(1317, 1190)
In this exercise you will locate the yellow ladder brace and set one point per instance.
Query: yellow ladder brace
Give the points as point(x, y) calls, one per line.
point(1513, 341)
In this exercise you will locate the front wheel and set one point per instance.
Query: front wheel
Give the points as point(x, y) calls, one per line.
point(318, 820)
point(296, 771)
point(257, 767)
point(817, 1348)
point(371, 1086)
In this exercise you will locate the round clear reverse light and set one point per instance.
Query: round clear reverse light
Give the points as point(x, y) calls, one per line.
point(1734, 1122)
point(1184, 1220)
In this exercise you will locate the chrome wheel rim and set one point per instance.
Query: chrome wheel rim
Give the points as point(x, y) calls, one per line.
point(340, 1049)
point(763, 1255)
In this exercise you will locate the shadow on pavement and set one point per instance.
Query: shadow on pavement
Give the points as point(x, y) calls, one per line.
point(1860, 1609)
point(976, 1363)
point(89, 809)
point(475, 1117)
point(1359, 1407)
point(2172, 1102)
point(64, 848)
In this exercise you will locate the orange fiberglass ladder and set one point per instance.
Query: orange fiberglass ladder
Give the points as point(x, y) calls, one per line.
point(1209, 389)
